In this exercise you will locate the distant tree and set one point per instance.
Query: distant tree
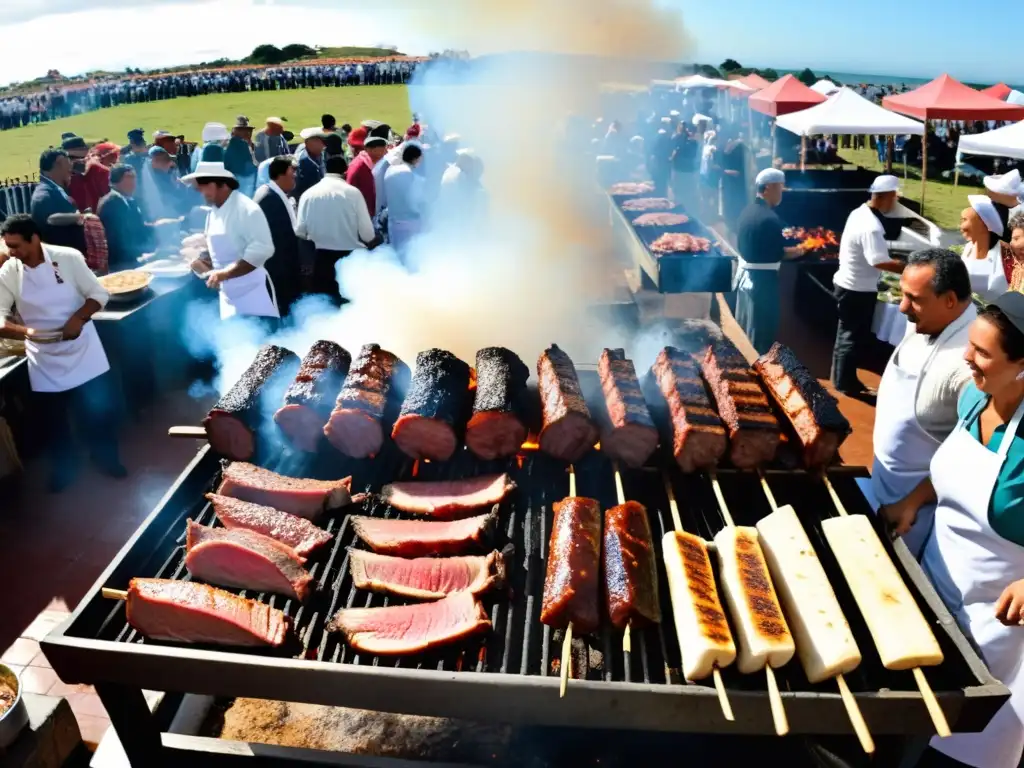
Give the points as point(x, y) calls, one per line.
point(266, 54)
point(807, 77)
point(708, 71)
point(127, 70)
point(730, 65)
point(768, 74)
point(296, 51)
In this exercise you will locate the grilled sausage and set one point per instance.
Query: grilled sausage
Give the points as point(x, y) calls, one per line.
point(630, 572)
point(571, 583)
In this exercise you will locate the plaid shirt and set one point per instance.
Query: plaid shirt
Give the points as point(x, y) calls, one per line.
point(95, 246)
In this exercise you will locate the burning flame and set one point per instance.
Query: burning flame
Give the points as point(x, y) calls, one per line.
point(415, 468)
point(472, 379)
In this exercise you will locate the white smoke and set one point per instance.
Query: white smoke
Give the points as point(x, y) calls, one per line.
point(528, 274)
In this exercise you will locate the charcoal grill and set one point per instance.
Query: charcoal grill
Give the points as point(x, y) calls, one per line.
point(509, 675)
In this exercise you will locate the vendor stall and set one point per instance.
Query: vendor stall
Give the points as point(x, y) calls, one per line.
point(1007, 141)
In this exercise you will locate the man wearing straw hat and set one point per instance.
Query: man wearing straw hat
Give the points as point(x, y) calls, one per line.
point(239, 244)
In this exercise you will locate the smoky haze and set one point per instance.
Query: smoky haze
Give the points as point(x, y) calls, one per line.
point(525, 275)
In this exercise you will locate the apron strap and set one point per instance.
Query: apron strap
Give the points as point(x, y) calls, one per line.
point(1011, 432)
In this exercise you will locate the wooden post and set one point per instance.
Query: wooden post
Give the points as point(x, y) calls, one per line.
point(803, 153)
point(890, 146)
point(924, 164)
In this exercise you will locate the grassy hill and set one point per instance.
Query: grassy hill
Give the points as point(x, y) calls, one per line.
point(354, 52)
point(20, 148)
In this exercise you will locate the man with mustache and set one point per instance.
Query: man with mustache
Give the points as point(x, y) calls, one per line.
point(917, 398)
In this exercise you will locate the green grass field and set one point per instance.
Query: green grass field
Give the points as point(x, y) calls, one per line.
point(20, 148)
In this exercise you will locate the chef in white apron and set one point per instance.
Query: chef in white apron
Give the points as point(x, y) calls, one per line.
point(917, 398)
point(239, 242)
point(969, 562)
point(983, 228)
point(55, 295)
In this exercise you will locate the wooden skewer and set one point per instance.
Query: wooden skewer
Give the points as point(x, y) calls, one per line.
point(114, 594)
point(860, 727)
point(937, 715)
point(627, 645)
point(567, 639)
point(778, 708)
point(194, 433)
point(716, 673)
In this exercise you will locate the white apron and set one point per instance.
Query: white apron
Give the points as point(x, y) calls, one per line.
point(988, 279)
point(46, 303)
point(245, 295)
point(970, 565)
point(903, 448)
point(742, 282)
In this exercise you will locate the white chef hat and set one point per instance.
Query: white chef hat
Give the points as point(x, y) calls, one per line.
point(883, 184)
point(1005, 184)
point(986, 209)
point(699, 118)
point(662, 131)
point(770, 176)
point(215, 132)
point(637, 140)
point(673, 113)
point(666, 119)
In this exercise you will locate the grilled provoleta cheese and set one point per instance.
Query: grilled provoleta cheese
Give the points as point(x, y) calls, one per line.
point(902, 636)
point(824, 642)
point(764, 636)
point(705, 639)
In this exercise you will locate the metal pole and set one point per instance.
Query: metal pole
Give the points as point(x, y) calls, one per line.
point(924, 164)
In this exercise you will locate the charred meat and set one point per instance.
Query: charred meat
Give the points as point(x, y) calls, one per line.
point(498, 425)
point(630, 570)
point(189, 612)
point(296, 496)
point(416, 538)
point(631, 437)
point(232, 424)
point(680, 242)
point(567, 432)
point(648, 204)
point(571, 583)
point(245, 559)
point(435, 407)
point(661, 220)
point(294, 531)
point(806, 407)
point(448, 499)
point(310, 398)
point(748, 418)
point(427, 578)
point(405, 629)
point(697, 435)
point(376, 380)
point(631, 188)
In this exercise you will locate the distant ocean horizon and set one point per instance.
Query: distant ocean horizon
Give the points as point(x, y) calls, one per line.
point(853, 78)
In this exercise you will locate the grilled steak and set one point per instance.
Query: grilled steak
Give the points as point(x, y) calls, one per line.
point(427, 578)
point(232, 424)
point(415, 538)
point(376, 380)
point(661, 220)
point(567, 432)
point(296, 496)
point(498, 425)
point(189, 612)
point(695, 431)
point(630, 571)
point(405, 629)
point(680, 242)
point(806, 407)
point(246, 560)
point(571, 582)
point(291, 530)
point(434, 408)
point(632, 436)
point(310, 398)
point(748, 418)
point(448, 499)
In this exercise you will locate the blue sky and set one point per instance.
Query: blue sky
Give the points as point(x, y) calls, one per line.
point(919, 38)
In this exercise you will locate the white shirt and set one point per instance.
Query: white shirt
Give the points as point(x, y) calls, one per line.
point(945, 378)
point(244, 221)
point(334, 216)
point(394, 157)
point(289, 203)
point(861, 249)
point(404, 191)
point(988, 279)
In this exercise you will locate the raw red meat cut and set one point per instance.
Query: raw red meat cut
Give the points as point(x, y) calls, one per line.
point(189, 612)
point(246, 560)
point(427, 578)
point(294, 531)
point(448, 499)
point(414, 538)
point(404, 629)
point(296, 496)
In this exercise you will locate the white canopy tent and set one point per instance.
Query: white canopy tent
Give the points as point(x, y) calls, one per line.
point(847, 112)
point(1015, 97)
point(825, 87)
point(699, 81)
point(1007, 141)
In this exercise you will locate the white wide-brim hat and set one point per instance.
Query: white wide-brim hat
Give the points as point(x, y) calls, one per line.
point(209, 170)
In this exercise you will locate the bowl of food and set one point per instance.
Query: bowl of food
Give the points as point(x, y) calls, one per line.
point(13, 715)
point(127, 285)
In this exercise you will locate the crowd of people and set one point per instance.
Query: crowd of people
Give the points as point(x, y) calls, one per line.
point(59, 101)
